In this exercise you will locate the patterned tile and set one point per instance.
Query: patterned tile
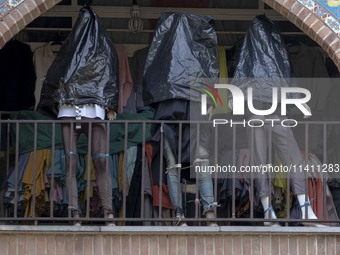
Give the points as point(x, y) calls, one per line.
point(308, 3)
point(327, 10)
point(7, 5)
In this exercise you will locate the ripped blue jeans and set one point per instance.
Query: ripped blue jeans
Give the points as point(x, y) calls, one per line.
point(205, 185)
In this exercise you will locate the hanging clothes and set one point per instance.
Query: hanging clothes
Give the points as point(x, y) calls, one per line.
point(241, 185)
point(318, 191)
point(9, 184)
point(150, 149)
point(43, 57)
point(27, 180)
point(117, 197)
point(223, 79)
point(125, 80)
point(307, 62)
point(310, 69)
point(16, 91)
point(83, 185)
point(280, 185)
point(133, 203)
point(136, 102)
point(59, 194)
point(131, 160)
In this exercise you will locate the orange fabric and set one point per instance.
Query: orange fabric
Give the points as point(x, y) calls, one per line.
point(316, 196)
point(166, 202)
point(148, 152)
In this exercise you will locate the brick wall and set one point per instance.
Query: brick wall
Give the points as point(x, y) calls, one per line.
point(170, 240)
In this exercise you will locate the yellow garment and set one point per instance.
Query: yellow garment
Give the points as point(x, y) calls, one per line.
point(223, 79)
point(120, 215)
point(49, 159)
point(27, 180)
point(92, 176)
point(281, 182)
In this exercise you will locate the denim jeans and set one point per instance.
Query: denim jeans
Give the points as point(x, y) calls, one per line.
point(205, 185)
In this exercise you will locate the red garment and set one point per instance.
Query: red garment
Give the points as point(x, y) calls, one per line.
point(125, 79)
point(166, 202)
point(148, 152)
point(316, 196)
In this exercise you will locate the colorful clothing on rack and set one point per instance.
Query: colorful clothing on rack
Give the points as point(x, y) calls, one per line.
point(28, 180)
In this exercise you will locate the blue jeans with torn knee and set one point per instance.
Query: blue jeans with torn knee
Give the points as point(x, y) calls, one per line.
point(205, 185)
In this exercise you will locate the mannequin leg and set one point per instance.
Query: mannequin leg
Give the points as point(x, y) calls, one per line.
point(103, 174)
point(289, 153)
point(261, 182)
point(260, 142)
point(269, 212)
point(173, 182)
point(310, 214)
point(303, 202)
point(70, 149)
point(205, 186)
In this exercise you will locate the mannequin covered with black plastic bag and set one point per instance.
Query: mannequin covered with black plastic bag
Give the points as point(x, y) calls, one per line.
point(264, 64)
point(182, 57)
point(81, 84)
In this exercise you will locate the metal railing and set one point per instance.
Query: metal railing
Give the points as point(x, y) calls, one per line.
point(12, 153)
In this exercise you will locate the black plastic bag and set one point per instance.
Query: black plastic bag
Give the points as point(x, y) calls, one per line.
point(183, 54)
point(85, 70)
point(263, 62)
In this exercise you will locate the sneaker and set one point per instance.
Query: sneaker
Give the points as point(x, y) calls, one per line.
point(211, 215)
point(76, 215)
point(110, 223)
point(178, 221)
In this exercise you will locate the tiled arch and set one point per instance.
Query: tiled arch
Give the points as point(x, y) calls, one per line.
point(17, 18)
point(311, 24)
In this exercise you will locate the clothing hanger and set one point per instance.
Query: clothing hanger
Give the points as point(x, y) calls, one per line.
point(294, 47)
point(55, 45)
point(87, 3)
point(58, 40)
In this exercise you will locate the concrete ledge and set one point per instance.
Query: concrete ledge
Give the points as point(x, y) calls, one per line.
point(132, 240)
point(151, 230)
